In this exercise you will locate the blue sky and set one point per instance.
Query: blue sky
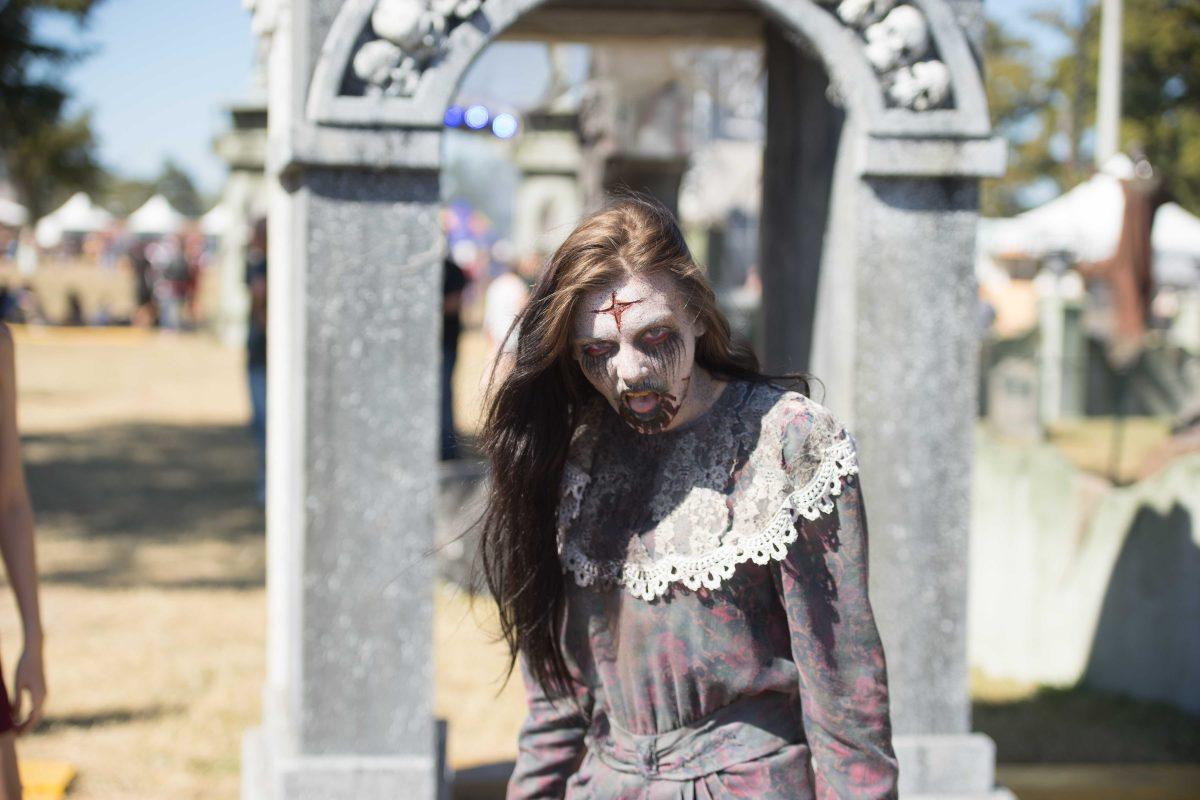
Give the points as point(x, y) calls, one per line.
point(161, 71)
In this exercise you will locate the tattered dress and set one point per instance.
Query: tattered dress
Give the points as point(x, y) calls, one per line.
point(717, 622)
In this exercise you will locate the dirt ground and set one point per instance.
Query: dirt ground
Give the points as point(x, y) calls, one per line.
point(151, 555)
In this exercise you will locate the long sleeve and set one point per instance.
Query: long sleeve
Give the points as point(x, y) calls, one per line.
point(834, 639)
point(550, 744)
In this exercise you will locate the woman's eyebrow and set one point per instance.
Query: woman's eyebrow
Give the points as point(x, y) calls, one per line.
point(661, 322)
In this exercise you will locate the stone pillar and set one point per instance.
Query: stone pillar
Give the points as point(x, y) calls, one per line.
point(243, 148)
point(914, 403)
point(355, 254)
point(549, 201)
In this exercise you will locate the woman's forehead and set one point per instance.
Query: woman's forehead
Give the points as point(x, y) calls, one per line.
point(627, 304)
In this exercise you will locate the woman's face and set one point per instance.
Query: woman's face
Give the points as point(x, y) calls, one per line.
point(636, 343)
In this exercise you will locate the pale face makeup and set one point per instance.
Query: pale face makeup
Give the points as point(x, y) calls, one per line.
point(636, 344)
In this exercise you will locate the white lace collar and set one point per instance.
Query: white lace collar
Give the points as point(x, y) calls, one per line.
point(763, 458)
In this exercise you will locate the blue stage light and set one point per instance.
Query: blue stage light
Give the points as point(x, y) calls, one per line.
point(454, 116)
point(477, 117)
point(504, 125)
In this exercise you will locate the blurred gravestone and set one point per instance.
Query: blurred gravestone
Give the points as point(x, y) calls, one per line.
point(1012, 387)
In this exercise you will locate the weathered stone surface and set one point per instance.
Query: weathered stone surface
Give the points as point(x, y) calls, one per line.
point(946, 765)
point(914, 402)
point(373, 296)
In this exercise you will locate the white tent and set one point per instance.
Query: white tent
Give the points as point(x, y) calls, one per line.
point(77, 215)
point(217, 221)
point(156, 217)
point(12, 213)
point(1086, 222)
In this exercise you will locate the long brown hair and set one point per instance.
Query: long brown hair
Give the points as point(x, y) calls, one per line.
point(531, 415)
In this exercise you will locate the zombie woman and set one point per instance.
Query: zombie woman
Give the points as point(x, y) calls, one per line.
point(677, 545)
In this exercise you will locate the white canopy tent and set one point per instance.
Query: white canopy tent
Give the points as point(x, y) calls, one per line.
point(1086, 222)
point(217, 220)
point(77, 215)
point(156, 217)
point(12, 213)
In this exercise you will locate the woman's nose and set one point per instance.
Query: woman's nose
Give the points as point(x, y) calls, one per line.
point(631, 366)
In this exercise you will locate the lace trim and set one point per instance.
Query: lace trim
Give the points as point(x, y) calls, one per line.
point(649, 581)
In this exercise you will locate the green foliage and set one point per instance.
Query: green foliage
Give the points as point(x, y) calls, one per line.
point(123, 195)
point(51, 161)
point(176, 185)
point(1048, 113)
point(46, 155)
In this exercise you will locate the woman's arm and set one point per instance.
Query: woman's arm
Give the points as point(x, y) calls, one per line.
point(550, 744)
point(16, 540)
point(835, 643)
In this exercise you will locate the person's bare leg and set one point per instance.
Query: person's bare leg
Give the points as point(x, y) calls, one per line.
point(10, 778)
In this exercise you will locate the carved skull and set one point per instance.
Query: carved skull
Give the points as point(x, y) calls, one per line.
point(861, 13)
point(404, 79)
point(375, 60)
point(900, 38)
point(411, 25)
point(456, 8)
point(922, 86)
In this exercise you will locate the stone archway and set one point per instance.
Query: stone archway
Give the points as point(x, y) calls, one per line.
point(876, 262)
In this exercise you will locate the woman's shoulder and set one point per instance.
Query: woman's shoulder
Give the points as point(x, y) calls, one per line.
point(792, 410)
point(807, 430)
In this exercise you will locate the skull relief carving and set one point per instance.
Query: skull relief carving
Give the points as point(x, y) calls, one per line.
point(861, 13)
point(902, 37)
point(412, 35)
point(411, 25)
point(922, 86)
point(374, 62)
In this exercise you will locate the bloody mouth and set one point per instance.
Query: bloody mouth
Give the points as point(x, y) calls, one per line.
point(643, 404)
point(648, 412)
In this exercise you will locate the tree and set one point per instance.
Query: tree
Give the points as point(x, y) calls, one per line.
point(1016, 96)
point(50, 161)
point(46, 155)
point(1049, 118)
point(175, 184)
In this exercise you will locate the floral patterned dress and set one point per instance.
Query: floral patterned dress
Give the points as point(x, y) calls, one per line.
point(717, 623)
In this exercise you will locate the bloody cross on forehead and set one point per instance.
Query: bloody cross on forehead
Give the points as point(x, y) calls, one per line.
point(616, 308)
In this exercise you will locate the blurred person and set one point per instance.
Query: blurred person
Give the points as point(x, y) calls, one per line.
point(75, 317)
point(170, 286)
point(256, 347)
point(195, 257)
point(504, 299)
point(20, 563)
point(146, 311)
point(454, 283)
point(29, 306)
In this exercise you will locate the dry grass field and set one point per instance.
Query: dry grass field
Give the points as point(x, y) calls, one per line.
point(151, 555)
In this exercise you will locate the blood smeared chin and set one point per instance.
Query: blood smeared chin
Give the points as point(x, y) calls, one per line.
point(653, 421)
point(653, 412)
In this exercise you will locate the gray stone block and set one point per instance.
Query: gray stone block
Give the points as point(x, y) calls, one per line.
point(946, 765)
point(358, 778)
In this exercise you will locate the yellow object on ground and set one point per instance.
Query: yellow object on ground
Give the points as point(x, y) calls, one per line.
point(45, 780)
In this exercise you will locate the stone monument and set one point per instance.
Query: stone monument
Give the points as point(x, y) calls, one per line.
point(877, 133)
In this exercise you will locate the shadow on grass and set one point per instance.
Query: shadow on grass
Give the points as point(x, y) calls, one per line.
point(111, 716)
point(1082, 725)
point(121, 491)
